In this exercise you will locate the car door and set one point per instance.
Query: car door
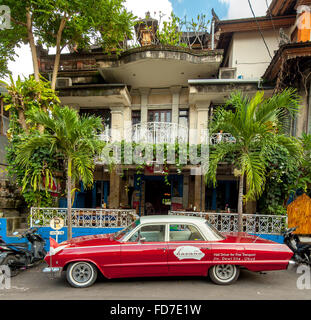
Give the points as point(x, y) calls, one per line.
point(145, 252)
point(188, 251)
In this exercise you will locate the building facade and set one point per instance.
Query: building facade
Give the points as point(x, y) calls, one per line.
point(161, 94)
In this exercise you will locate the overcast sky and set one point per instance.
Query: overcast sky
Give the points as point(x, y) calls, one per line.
point(225, 9)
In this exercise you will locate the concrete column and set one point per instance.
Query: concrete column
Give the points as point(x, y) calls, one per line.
point(199, 193)
point(193, 119)
point(117, 123)
point(114, 196)
point(144, 94)
point(202, 119)
point(127, 123)
point(186, 191)
point(175, 103)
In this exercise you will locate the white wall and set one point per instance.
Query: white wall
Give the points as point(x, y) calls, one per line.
point(248, 53)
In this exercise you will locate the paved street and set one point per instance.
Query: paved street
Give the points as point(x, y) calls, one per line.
point(32, 284)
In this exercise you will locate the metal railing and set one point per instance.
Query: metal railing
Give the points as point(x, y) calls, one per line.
point(252, 223)
point(94, 218)
point(159, 132)
point(105, 135)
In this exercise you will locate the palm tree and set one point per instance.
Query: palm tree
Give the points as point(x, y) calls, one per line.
point(257, 125)
point(73, 137)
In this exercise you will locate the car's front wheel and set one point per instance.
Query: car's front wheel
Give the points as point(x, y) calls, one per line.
point(81, 274)
point(224, 274)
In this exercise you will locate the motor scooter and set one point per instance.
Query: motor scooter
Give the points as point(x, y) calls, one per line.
point(302, 251)
point(20, 256)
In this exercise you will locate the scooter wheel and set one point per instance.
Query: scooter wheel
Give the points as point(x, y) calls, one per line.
point(10, 260)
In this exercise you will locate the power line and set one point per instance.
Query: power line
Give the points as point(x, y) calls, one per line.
point(270, 14)
point(263, 38)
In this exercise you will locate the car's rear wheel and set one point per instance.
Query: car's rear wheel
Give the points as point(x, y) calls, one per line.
point(81, 274)
point(224, 274)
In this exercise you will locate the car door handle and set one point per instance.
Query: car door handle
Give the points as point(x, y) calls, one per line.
point(205, 248)
point(161, 249)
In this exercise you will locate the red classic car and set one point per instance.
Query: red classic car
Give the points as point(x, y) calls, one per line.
point(166, 246)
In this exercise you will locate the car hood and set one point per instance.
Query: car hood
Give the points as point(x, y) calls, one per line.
point(92, 240)
point(242, 237)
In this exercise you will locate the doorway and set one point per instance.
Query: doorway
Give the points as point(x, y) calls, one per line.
point(157, 196)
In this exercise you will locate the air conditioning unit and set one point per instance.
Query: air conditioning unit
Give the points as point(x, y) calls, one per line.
point(63, 82)
point(227, 73)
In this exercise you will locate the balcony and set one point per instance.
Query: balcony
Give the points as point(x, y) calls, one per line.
point(163, 132)
point(159, 132)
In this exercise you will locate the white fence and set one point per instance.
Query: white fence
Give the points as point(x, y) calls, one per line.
point(252, 223)
point(121, 218)
point(93, 218)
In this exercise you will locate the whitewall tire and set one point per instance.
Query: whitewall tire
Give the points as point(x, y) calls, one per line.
point(81, 274)
point(224, 274)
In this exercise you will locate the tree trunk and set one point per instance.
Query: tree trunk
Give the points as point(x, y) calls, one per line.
point(32, 46)
point(58, 52)
point(22, 120)
point(69, 181)
point(240, 204)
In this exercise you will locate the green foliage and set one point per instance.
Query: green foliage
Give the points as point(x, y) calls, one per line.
point(285, 177)
point(25, 98)
point(78, 23)
point(258, 125)
point(67, 134)
point(170, 34)
point(29, 179)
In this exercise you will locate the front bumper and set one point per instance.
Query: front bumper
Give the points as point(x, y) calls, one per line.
point(55, 271)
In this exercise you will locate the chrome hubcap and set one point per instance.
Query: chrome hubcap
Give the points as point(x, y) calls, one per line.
point(224, 271)
point(82, 273)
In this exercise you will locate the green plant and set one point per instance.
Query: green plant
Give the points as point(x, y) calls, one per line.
point(256, 124)
point(74, 137)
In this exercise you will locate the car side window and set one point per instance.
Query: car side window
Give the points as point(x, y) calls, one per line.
point(152, 233)
point(184, 232)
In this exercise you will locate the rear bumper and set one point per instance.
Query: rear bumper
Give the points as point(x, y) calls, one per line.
point(291, 264)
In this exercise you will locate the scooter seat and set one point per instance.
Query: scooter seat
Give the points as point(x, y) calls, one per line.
point(23, 245)
point(303, 246)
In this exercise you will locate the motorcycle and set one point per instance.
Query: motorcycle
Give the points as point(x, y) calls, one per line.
point(302, 251)
point(20, 256)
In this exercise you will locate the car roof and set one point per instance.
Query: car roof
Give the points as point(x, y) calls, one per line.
point(171, 219)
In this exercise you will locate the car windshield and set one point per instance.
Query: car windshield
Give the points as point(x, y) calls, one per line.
point(122, 233)
point(215, 231)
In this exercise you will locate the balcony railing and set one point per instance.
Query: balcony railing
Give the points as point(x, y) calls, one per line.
point(252, 223)
point(158, 132)
point(105, 135)
point(94, 218)
point(162, 132)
